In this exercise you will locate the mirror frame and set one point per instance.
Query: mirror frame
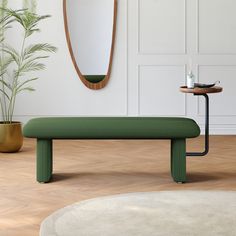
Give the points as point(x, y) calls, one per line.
point(88, 84)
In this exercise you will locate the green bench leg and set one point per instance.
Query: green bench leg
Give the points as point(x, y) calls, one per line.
point(178, 160)
point(44, 160)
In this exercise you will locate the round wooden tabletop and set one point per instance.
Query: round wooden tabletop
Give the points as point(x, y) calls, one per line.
point(214, 89)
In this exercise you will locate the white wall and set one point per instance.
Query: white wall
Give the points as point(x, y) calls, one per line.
point(155, 39)
point(59, 91)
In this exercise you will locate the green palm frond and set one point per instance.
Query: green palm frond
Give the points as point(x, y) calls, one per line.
point(40, 47)
point(2, 73)
point(5, 24)
point(28, 89)
point(26, 19)
point(5, 94)
point(4, 63)
point(31, 66)
point(7, 85)
point(3, 5)
point(20, 85)
point(29, 21)
point(16, 63)
point(8, 13)
point(11, 52)
point(8, 22)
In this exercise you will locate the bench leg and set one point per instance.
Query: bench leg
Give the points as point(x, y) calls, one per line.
point(44, 160)
point(178, 160)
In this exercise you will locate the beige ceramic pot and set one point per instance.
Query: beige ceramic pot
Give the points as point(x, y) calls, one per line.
point(11, 138)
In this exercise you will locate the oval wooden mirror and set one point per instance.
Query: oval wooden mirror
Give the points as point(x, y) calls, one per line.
point(90, 27)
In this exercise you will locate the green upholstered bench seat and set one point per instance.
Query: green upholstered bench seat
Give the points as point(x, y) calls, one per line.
point(111, 128)
point(47, 129)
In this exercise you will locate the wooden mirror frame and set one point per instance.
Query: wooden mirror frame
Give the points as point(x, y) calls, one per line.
point(88, 84)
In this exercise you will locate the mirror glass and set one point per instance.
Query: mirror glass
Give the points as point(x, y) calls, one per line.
point(90, 31)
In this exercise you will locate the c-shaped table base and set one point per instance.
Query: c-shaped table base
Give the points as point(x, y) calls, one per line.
point(202, 92)
point(204, 153)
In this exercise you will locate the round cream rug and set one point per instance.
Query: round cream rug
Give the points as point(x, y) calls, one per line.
point(175, 213)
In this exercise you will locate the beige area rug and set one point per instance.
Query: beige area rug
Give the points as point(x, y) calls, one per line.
point(174, 213)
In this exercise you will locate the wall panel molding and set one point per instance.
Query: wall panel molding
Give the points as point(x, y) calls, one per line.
point(198, 48)
point(167, 95)
point(223, 118)
point(182, 51)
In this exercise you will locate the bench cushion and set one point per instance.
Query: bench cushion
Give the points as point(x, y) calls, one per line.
point(111, 128)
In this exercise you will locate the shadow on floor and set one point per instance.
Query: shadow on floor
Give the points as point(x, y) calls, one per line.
point(196, 177)
point(108, 175)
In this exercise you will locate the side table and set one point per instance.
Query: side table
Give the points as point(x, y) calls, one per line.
point(202, 92)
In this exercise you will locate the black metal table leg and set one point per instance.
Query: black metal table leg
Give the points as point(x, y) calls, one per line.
point(206, 129)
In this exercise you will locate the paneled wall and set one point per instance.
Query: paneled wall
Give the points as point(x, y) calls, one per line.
point(164, 36)
point(155, 41)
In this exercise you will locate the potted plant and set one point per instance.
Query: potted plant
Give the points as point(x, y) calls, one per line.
point(15, 66)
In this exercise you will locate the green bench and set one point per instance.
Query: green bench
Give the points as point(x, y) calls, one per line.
point(45, 130)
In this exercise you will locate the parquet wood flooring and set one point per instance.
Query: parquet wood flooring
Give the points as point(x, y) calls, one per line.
point(88, 169)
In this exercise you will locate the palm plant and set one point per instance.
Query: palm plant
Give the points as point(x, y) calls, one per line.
point(15, 64)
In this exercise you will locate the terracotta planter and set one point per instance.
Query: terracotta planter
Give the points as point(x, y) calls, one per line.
point(11, 138)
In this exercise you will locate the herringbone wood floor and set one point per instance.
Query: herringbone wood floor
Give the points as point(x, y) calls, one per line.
point(88, 169)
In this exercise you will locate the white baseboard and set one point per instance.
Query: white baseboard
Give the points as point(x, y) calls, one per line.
point(222, 129)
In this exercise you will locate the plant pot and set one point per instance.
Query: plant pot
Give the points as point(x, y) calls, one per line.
point(11, 138)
